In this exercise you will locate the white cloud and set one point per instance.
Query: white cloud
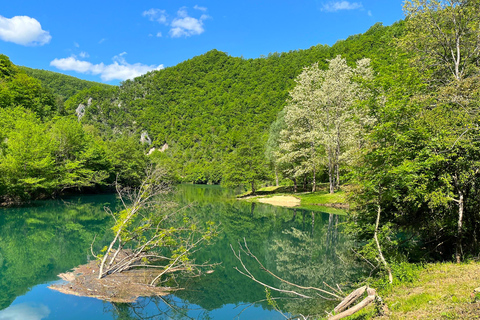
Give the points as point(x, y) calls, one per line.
point(25, 311)
point(182, 12)
point(120, 69)
point(156, 15)
point(369, 13)
point(84, 54)
point(23, 30)
point(187, 26)
point(196, 7)
point(335, 6)
point(76, 45)
point(101, 41)
point(182, 25)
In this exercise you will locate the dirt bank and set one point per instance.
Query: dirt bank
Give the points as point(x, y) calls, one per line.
point(283, 201)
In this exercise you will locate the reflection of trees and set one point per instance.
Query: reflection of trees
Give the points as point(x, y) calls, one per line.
point(155, 308)
point(37, 243)
point(312, 258)
point(40, 242)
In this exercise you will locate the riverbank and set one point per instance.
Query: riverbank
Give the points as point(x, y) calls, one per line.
point(284, 197)
point(440, 291)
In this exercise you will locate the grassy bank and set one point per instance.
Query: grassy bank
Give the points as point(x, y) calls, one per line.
point(440, 291)
point(309, 200)
point(323, 198)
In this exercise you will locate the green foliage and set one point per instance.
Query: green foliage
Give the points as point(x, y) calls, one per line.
point(246, 164)
point(420, 164)
point(202, 106)
point(18, 89)
point(43, 152)
point(61, 85)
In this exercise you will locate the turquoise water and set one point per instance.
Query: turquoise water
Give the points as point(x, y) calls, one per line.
point(42, 240)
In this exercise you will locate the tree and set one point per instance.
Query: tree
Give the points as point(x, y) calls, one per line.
point(272, 145)
point(446, 38)
point(246, 163)
point(148, 232)
point(27, 165)
point(445, 33)
point(322, 116)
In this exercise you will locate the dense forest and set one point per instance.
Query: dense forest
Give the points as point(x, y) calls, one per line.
point(44, 153)
point(62, 85)
point(392, 112)
point(214, 111)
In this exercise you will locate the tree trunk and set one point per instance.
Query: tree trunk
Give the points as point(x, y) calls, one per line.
point(304, 183)
point(314, 182)
point(331, 177)
point(375, 236)
point(253, 186)
point(337, 172)
point(458, 251)
point(276, 176)
point(294, 185)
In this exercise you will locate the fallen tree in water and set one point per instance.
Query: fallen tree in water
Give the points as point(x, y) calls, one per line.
point(152, 243)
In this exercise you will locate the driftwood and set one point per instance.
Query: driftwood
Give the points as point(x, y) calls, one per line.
point(351, 298)
point(362, 304)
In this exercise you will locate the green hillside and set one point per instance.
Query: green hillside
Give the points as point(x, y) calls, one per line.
point(61, 84)
point(206, 107)
point(44, 153)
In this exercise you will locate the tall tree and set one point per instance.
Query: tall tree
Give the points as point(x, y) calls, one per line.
point(322, 116)
point(446, 38)
point(446, 34)
point(246, 163)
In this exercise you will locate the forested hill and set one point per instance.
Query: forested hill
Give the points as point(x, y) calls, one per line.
point(60, 84)
point(208, 106)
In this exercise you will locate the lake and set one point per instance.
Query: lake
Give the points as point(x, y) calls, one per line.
point(50, 237)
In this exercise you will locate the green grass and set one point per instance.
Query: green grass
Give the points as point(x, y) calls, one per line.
point(441, 291)
point(323, 197)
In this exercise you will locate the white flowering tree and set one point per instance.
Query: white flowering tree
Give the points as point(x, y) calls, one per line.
point(322, 119)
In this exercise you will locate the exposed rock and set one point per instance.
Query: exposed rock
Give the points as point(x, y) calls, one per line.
point(80, 111)
point(164, 147)
point(144, 138)
point(151, 151)
point(89, 102)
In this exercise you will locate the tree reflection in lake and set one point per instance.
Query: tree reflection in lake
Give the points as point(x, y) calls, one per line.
point(39, 242)
point(314, 258)
point(157, 308)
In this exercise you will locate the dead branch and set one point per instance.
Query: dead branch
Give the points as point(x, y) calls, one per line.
point(351, 298)
point(362, 304)
point(375, 236)
point(247, 251)
point(248, 274)
point(91, 247)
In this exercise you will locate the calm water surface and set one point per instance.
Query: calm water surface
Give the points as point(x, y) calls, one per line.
point(40, 241)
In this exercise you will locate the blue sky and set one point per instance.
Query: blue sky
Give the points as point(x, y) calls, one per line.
point(110, 41)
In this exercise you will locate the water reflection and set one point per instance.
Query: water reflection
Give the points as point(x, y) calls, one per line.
point(25, 311)
point(303, 246)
